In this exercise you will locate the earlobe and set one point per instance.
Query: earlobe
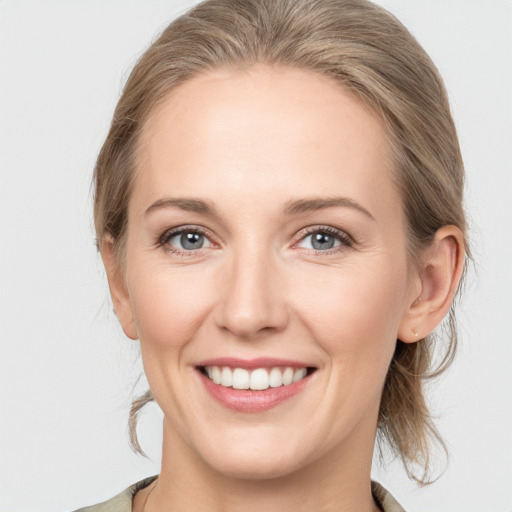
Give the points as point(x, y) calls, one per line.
point(440, 273)
point(118, 290)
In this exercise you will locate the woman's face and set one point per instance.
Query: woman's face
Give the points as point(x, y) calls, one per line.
point(265, 232)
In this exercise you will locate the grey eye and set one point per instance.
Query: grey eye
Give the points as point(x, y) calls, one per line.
point(188, 240)
point(322, 241)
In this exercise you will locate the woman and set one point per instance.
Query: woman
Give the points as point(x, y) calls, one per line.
point(279, 210)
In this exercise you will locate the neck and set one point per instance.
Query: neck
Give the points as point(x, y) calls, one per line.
point(338, 481)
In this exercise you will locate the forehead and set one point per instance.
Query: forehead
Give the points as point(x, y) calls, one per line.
point(262, 128)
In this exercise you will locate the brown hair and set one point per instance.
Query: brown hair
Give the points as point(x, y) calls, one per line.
point(369, 53)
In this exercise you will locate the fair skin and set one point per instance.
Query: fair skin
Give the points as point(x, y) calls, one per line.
point(268, 273)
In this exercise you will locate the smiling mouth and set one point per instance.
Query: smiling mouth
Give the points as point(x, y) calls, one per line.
point(257, 379)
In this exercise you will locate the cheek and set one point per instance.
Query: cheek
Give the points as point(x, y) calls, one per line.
point(169, 307)
point(354, 313)
point(169, 304)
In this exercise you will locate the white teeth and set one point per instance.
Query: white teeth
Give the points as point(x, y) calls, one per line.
point(258, 379)
point(275, 378)
point(216, 375)
point(240, 378)
point(226, 377)
point(299, 374)
point(288, 376)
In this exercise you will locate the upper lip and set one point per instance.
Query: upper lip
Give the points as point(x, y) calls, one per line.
point(259, 362)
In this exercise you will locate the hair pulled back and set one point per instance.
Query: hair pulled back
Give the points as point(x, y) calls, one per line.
point(370, 54)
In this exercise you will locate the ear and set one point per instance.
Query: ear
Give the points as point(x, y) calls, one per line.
point(439, 275)
point(118, 290)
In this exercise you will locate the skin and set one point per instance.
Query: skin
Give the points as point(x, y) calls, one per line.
point(248, 143)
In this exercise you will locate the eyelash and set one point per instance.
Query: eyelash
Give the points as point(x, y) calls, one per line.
point(166, 237)
point(346, 241)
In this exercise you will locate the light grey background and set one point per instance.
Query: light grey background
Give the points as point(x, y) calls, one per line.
point(67, 372)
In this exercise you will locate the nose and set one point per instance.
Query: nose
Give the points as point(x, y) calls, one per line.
point(252, 299)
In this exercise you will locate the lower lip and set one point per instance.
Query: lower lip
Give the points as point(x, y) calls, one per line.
point(247, 400)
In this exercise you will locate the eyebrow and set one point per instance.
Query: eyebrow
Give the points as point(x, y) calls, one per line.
point(291, 207)
point(320, 203)
point(187, 204)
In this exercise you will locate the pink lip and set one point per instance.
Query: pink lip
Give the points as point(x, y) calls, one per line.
point(247, 400)
point(249, 364)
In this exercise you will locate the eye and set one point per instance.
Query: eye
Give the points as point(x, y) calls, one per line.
point(325, 239)
point(185, 239)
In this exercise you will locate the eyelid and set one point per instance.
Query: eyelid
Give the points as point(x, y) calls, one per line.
point(342, 236)
point(345, 239)
point(170, 233)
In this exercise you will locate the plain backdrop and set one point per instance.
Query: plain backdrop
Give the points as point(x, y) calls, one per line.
point(68, 373)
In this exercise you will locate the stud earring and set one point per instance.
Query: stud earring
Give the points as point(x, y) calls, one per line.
point(416, 332)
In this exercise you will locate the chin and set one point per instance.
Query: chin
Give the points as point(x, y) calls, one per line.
point(259, 467)
point(267, 457)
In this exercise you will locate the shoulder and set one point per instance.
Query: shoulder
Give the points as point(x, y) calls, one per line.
point(122, 502)
point(385, 499)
